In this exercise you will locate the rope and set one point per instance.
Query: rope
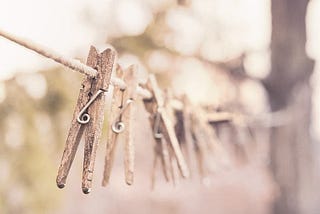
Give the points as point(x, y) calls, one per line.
point(275, 119)
point(68, 62)
point(46, 52)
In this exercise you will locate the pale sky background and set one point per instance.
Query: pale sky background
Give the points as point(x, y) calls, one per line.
point(61, 25)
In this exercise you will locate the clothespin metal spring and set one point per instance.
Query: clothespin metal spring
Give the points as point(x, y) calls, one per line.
point(118, 126)
point(84, 118)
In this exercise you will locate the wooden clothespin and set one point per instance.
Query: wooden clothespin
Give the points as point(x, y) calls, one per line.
point(183, 127)
point(162, 150)
point(88, 116)
point(171, 106)
point(209, 150)
point(161, 153)
point(122, 113)
point(189, 133)
point(162, 125)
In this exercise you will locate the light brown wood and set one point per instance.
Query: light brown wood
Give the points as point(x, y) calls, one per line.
point(96, 111)
point(76, 129)
point(112, 136)
point(154, 166)
point(203, 140)
point(166, 124)
point(161, 153)
point(188, 144)
point(173, 165)
point(131, 78)
point(103, 63)
point(165, 159)
point(161, 146)
point(126, 115)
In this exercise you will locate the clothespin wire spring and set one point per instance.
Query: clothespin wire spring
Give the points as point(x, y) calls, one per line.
point(83, 117)
point(118, 126)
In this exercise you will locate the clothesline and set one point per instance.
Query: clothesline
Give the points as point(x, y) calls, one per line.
point(75, 65)
point(274, 119)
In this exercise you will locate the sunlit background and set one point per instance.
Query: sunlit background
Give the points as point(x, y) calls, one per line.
point(188, 46)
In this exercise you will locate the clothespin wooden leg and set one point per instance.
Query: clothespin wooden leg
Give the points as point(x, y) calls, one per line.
point(154, 165)
point(161, 152)
point(171, 137)
point(76, 128)
point(131, 78)
point(168, 127)
point(96, 111)
point(109, 158)
point(182, 129)
point(199, 158)
point(173, 164)
point(113, 115)
point(165, 159)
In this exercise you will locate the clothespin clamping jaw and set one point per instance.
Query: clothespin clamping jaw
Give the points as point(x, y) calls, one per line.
point(162, 125)
point(120, 125)
point(88, 116)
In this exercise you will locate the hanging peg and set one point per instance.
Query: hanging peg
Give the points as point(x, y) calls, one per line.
point(202, 142)
point(164, 124)
point(122, 112)
point(161, 148)
point(210, 148)
point(116, 105)
point(170, 109)
point(88, 117)
point(130, 95)
point(183, 127)
point(173, 167)
point(196, 134)
point(161, 153)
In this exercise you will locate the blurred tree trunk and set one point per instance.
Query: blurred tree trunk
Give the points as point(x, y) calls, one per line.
point(290, 92)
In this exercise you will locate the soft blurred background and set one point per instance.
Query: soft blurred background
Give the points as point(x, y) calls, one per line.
point(252, 57)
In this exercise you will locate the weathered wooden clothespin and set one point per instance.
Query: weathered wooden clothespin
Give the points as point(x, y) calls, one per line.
point(171, 105)
point(183, 125)
point(120, 125)
point(161, 152)
point(162, 125)
point(88, 116)
point(209, 151)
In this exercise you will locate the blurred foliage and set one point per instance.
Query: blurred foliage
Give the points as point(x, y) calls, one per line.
point(29, 147)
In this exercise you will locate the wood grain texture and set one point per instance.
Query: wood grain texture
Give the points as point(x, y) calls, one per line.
point(120, 97)
point(183, 129)
point(116, 105)
point(165, 158)
point(112, 136)
point(131, 78)
point(161, 145)
point(96, 111)
point(167, 126)
point(76, 129)
point(161, 154)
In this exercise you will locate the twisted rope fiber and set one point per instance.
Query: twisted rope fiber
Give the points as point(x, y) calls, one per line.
point(273, 119)
point(68, 62)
